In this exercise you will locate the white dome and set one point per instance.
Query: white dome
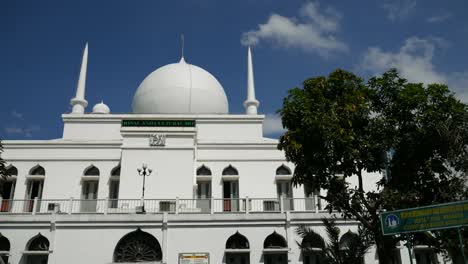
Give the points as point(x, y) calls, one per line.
point(180, 88)
point(101, 108)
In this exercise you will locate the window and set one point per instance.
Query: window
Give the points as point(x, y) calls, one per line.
point(137, 246)
point(237, 241)
point(92, 171)
point(423, 252)
point(204, 195)
point(237, 249)
point(203, 171)
point(230, 170)
point(230, 189)
point(4, 248)
point(7, 189)
point(115, 171)
point(312, 199)
point(38, 170)
point(312, 246)
point(114, 187)
point(283, 170)
point(284, 190)
point(275, 240)
point(89, 196)
point(40, 246)
point(35, 186)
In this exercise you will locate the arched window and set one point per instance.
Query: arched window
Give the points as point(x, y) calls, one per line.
point(347, 238)
point(12, 171)
point(275, 249)
point(137, 246)
point(283, 170)
point(114, 187)
point(237, 249)
point(237, 241)
point(37, 250)
point(38, 170)
point(35, 185)
point(230, 170)
point(312, 241)
point(92, 171)
point(4, 248)
point(203, 171)
point(39, 243)
point(275, 240)
point(115, 171)
point(7, 188)
point(312, 248)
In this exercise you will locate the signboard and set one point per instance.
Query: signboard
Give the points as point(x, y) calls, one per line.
point(194, 258)
point(158, 123)
point(440, 216)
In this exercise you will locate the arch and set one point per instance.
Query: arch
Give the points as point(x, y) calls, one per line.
point(4, 248)
point(116, 171)
point(275, 240)
point(230, 170)
point(38, 243)
point(204, 171)
point(12, 171)
point(91, 171)
point(237, 241)
point(347, 238)
point(37, 170)
point(283, 170)
point(137, 246)
point(4, 243)
point(311, 241)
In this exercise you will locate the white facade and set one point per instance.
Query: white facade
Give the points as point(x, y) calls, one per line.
point(210, 179)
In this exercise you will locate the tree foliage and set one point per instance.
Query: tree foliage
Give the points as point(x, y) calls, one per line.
point(333, 250)
point(340, 129)
point(3, 170)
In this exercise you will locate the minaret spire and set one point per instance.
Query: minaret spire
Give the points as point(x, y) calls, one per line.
point(79, 103)
point(251, 104)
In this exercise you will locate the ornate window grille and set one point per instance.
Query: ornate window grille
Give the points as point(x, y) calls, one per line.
point(137, 246)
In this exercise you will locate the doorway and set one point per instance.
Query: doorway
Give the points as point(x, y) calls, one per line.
point(284, 189)
point(231, 196)
point(204, 195)
point(89, 196)
point(7, 190)
point(34, 191)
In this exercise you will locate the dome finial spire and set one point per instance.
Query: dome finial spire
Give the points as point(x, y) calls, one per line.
point(79, 103)
point(251, 104)
point(182, 48)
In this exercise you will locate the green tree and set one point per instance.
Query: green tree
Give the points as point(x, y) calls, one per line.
point(3, 170)
point(333, 249)
point(339, 128)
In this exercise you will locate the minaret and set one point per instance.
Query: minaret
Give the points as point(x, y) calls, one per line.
point(251, 103)
point(79, 103)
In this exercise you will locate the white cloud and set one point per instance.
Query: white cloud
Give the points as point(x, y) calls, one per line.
point(17, 114)
point(398, 9)
point(22, 131)
point(272, 125)
point(439, 18)
point(414, 61)
point(314, 31)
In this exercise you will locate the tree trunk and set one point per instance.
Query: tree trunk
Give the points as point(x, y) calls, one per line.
point(384, 247)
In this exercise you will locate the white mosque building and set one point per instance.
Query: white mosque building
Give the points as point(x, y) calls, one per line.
point(177, 181)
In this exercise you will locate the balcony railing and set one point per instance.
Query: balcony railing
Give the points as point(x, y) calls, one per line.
point(176, 206)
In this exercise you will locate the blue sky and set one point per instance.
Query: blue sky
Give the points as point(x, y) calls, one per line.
point(42, 43)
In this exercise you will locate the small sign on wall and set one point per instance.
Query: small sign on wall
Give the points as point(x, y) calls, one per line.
point(194, 258)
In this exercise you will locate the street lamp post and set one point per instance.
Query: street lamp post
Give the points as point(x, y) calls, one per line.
point(144, 171)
